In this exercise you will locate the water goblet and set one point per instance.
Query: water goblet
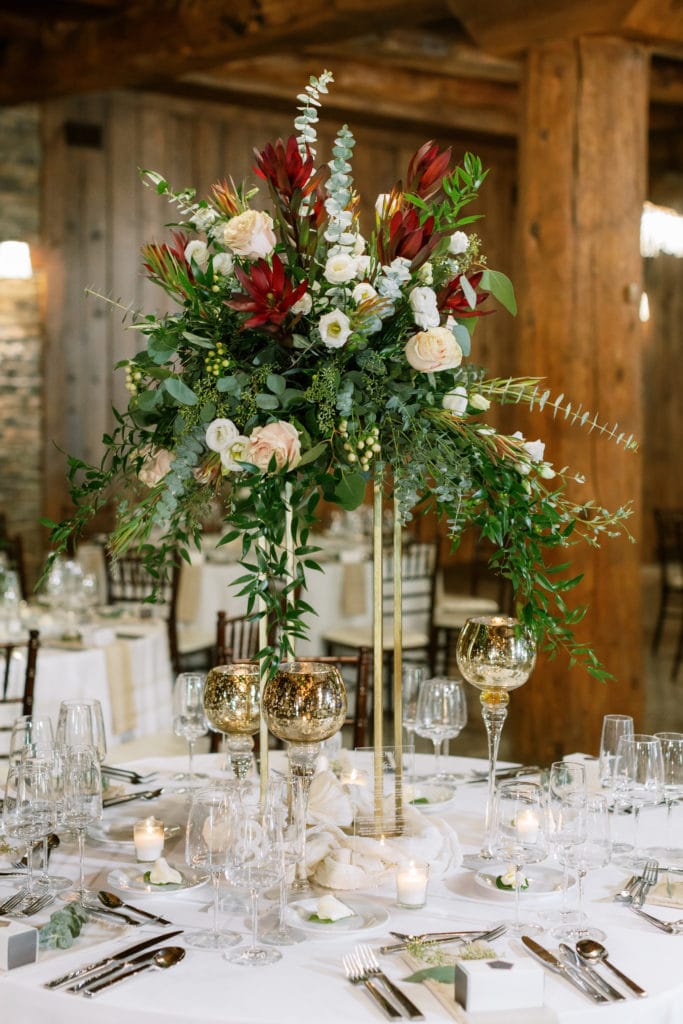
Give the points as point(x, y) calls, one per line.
point(28, 808)
point(189, 719)
point(496, 654)
point(519, 834)
point(566, 798)
point(594, 851)
point(672, 752)
point(211, 826)
point(254, 861)
point(82, 803)
point(613, 728)
point(80, 723)
point(639, 780)
point(441, 713)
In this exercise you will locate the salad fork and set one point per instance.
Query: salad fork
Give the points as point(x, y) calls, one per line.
point(648, 879)
point(370, 964)
point(357, 976)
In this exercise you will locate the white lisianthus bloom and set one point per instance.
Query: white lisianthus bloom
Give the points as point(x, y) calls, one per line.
point(363, 292)
point(458, 243)
point(423, 305)
point(480, 403)
point(456, 401)
point(198, 252)
point(362, 265)
point(359, 245)
point(534, 449)
point(222, 263)
point(203, 219)
point(303, 305)
point(220, 434)
point(334, 328)
point(233, 454)
point(340, 268)
point(250, 234)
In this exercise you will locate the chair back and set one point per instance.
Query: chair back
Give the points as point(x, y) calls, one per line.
point(418, 564)
point(669, 537)
point(18, 660)
point(129, 581)
point(237, 638)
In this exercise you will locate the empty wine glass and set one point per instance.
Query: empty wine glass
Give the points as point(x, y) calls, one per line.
point(594, 851)
point(30, 732)
point(672, 752)
point(210, 830)
point(28, 809)
point(254, 861)
point(80, 723)
point(82, 802)
point(519, 834)
point(189, 719)
point(566, 817)
point(412, 677)
point(282, 826)
point(441, 713)
point(613, 728)
point(639, 780)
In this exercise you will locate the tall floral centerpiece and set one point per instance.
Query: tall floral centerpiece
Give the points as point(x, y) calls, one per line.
point(305, 360)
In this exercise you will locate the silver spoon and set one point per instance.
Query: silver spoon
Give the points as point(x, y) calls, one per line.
point(166, 957)
point(590, 949)
point(113, 902)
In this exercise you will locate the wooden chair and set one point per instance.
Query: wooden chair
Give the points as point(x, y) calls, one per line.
point(129, 581)
point(18, 660)
point(669, 537)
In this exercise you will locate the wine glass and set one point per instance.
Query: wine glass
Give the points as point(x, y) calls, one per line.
point(566, 817)
point(496, 654)
point(519, 834)
point(639, 780)
point(672, 752)
point(82, 802)
point(594, 851)
point(254, 861)
point(30, 732)
point(189, 719)
point(283, 828)
point(613, 728)
point(441, 713)
point(80, 723)
point(28, 809)
point(210, 830)
point(412, 677)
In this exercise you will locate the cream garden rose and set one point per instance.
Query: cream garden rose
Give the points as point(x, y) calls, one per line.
point(250, 234)
point(433, 350)
point(156, 465)
point(279, 439)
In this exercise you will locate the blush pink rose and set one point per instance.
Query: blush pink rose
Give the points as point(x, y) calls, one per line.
point(250, 234)
point(278, 439)
point(156, 465)
point(435, 349)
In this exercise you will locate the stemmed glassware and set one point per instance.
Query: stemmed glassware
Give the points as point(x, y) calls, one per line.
point(29, 809)
point(441, 713)
point(255, 862)
point(672, 752)
point(82, 802)
point(519, 834)
point(412, 677)
point(283, 829)
point(30, 732)
point(189, 719)
point(211, 829)
point(639, 780)
point(496, 654)
point(594, 851)
point(80, 723)
point(566, 819)
point(613, 728)
point(232, 707)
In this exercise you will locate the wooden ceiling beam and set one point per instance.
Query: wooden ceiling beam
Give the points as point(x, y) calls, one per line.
point(153, 41)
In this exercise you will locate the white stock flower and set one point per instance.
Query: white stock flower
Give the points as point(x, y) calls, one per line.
point(458, 243)
point(303, 305)
point(222, 263)
point(334, 328)
point(198, 252)
point(456, 401)
point(363, 292)
point(220, 434)
point(423, 305)
point(340, 268)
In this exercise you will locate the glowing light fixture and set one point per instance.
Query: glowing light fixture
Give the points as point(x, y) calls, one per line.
point(15, 260)
point(661, 231)
point(644, 308)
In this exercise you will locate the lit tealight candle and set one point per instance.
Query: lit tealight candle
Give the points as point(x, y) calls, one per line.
point(148, 836)
point(411, 884)
point(526, 827)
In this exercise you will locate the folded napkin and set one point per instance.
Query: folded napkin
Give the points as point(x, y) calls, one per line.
point(121, 695)
point(668, 892)
point(328, 802)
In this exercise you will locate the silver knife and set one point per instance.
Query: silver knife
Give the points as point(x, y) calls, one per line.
point(572, 975)
point(107, 961)
point(119, 965)
point(504, 773)
point(487, 936)
point(572, 958)
point(176, 952)
point(148, 794)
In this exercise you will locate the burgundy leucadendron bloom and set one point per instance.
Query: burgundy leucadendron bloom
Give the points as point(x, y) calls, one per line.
point(427, 169)
point(269, 294)
point(283, 166)
point(452, 297)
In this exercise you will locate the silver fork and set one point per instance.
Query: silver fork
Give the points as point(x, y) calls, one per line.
point(648, 879)
point(672, 927)
point(34, 906)
point(369, 962)
point(14, 901)
point(357, 976)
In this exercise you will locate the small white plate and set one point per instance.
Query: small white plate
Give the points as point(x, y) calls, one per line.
point(132, 880)
point(366, 915)
point(428, 796)
point(543, 881)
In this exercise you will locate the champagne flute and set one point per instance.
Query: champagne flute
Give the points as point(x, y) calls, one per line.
point(189, 719)
point(594, 851)
point(672, 751)
point(28, 809)
point(211, 826)
point(613, 728)
point(639, 775)
point(82, 803)
point(566, 818)
point(496, 654)
point(441, 713)
point(254, 861)
point(519, 834)
point(80, 723)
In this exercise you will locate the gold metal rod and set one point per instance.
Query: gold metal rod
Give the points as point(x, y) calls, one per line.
point(289, 545)
point(398, 664)
point(378, 641)
point(263, 728)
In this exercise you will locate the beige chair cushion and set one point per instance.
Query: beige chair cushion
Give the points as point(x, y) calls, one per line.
point(361, 636)
point(453, 610)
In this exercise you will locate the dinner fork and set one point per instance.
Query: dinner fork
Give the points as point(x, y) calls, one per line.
point(33, 906)
point(672, 927)
point(370, 964)
point(13, 902)
point(648, 879)
point(357, 976)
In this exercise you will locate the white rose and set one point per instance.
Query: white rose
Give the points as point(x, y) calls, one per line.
point(303, 305)
point(423, 305)
point(222, 263)
point(234, 453)
point(456, 401)
point(363, 292)
point(198, 252)
point(458, 243)
point(435, 349)
point(334, 328)
point(250, 234)
point(340, 268)
point(220, 434)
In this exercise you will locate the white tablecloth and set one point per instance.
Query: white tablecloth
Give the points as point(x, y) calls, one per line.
point(308, 983)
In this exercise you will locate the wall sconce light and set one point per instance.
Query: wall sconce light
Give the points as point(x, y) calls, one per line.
point(15, 260)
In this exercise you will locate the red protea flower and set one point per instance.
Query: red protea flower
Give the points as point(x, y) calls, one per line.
point(167, 264)
point(427, 170)
point(407, 237)
point(452, 297)
point(283, 166)
point(270, 295)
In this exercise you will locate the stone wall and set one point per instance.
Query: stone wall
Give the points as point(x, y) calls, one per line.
point(21, 336)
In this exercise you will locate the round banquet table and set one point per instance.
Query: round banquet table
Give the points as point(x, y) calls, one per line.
point(308, 983)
